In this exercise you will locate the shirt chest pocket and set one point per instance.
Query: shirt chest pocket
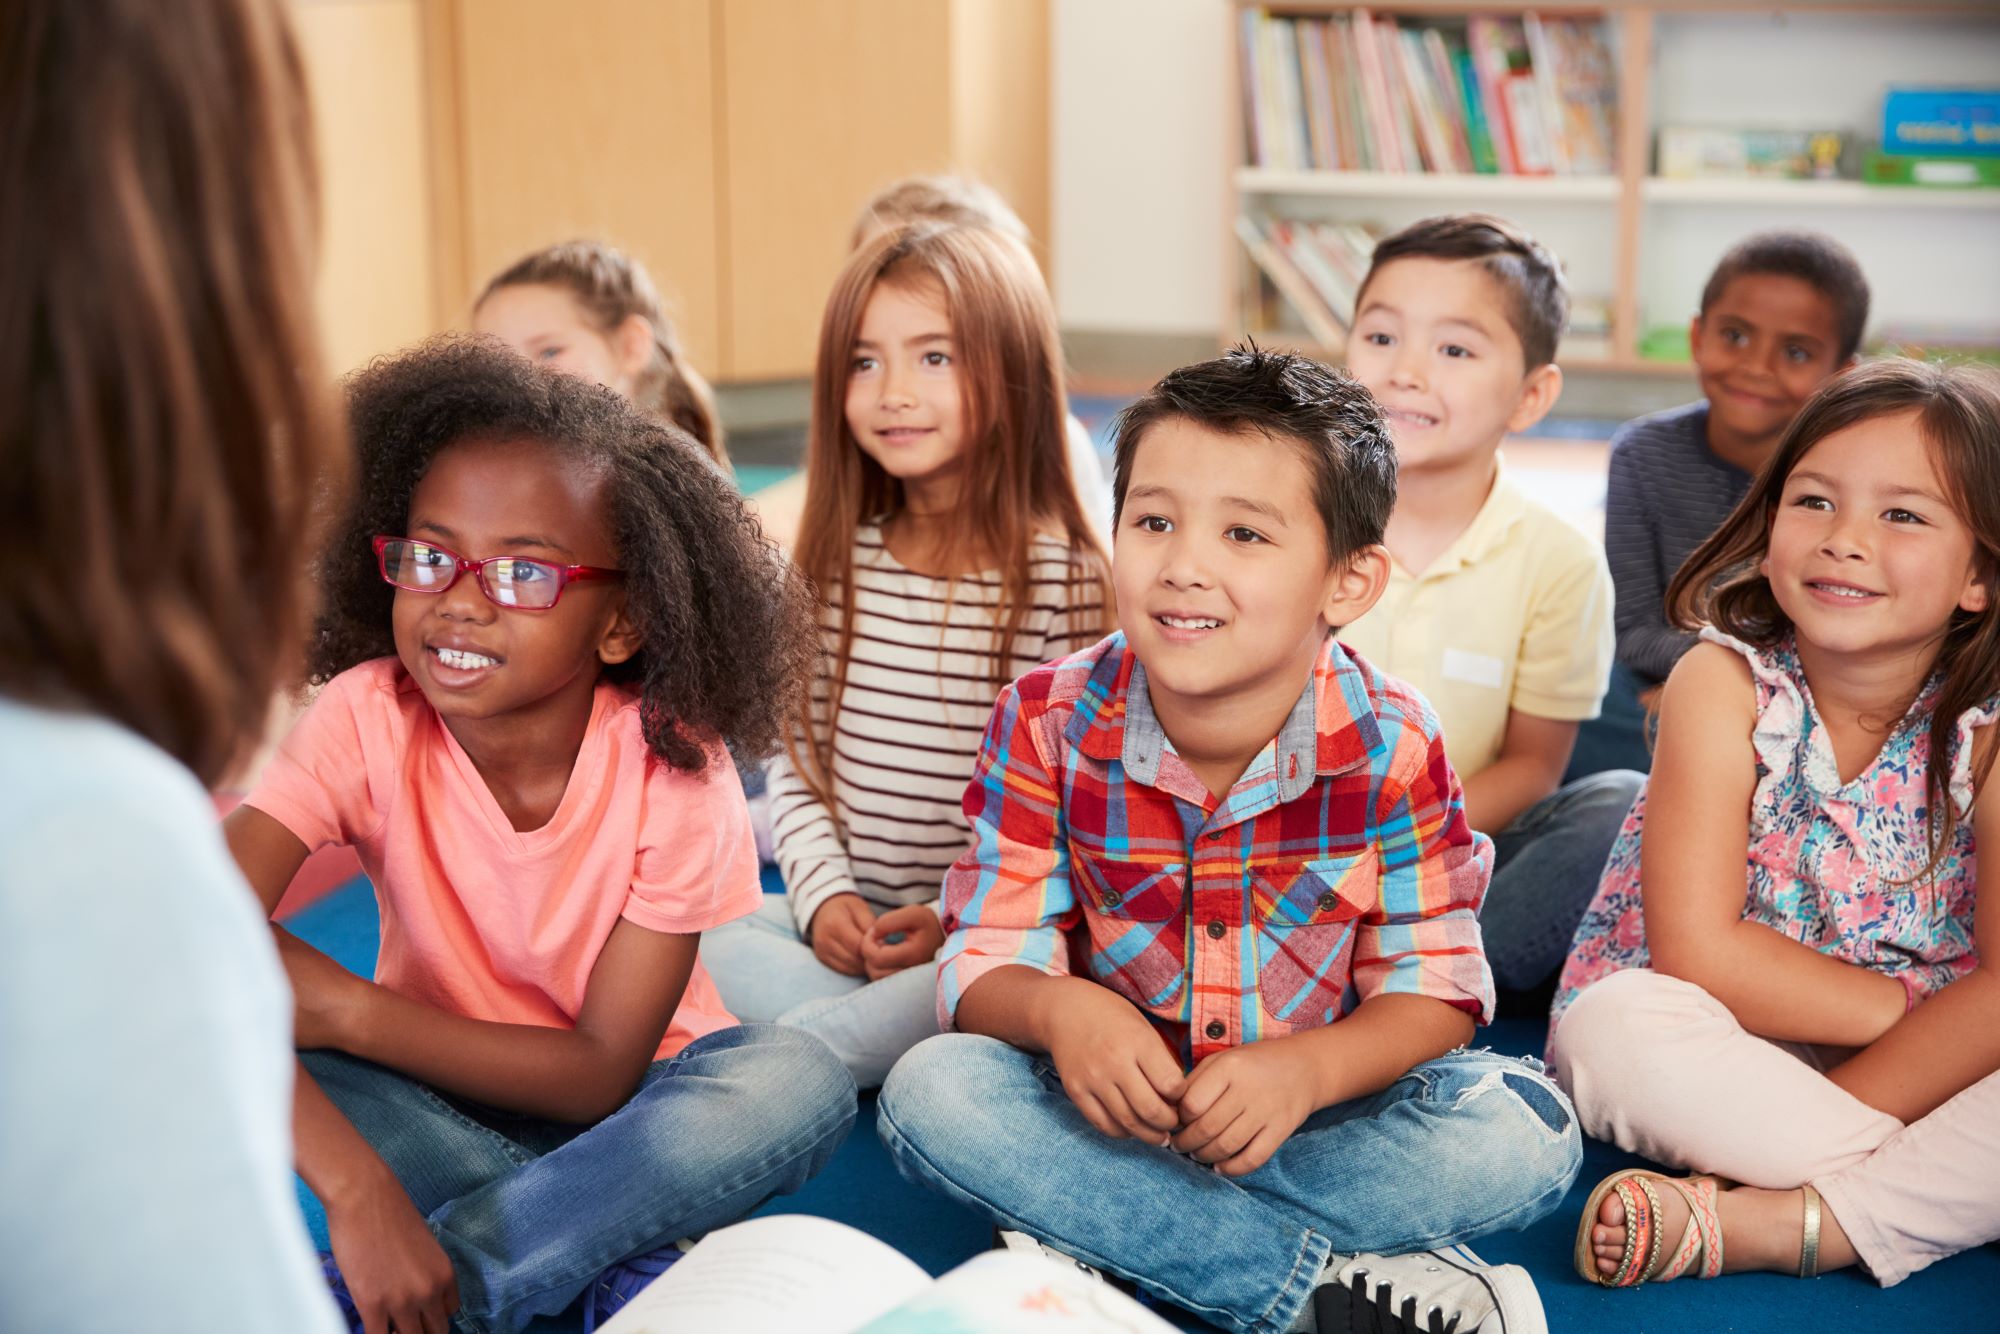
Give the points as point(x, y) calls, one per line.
point(1136, 918)
point(1306, 913)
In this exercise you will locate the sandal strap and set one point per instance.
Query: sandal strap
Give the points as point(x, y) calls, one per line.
point(1702, 1237)
point(1809, 1237)
point(1639, 1217)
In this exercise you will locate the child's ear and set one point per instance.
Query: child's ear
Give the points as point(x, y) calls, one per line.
point(632, 341)
point(1977, 597)
point(621, 638)
point(1539, 393)
point(1357, 586)
point(1694, 332)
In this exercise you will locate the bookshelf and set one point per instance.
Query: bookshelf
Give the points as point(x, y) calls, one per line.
point(1619, 230)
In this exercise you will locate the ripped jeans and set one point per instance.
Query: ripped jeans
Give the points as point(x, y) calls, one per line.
point(1464, 1145)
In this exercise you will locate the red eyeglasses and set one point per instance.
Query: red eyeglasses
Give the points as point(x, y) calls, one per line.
point(516, 582)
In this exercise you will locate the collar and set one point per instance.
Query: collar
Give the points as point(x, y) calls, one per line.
point(1331, 729)
point(1506, 504)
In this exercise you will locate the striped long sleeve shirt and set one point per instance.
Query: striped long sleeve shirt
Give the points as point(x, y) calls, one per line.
point(1666, 493)
point(919, 690)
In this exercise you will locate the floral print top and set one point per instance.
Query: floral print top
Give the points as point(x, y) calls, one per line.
point(1829, 861)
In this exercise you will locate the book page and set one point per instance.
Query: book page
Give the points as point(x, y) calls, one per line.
point(1007, 1292)
point(783, 1274)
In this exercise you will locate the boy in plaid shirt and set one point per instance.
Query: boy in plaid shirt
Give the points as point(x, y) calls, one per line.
point(1214, 955)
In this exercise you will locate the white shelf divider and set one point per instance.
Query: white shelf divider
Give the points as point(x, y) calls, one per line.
point(1425, 185)
point(1813, 194)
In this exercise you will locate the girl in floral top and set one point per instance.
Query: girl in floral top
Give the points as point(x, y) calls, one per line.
point(1783, 983)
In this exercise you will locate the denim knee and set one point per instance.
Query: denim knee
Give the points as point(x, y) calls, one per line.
point(1518, 1131)
point(1606, 796)
point(780, 1087)
point(945, 1086)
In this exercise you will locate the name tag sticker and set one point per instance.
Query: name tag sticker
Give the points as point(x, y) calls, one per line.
point(1472, 668)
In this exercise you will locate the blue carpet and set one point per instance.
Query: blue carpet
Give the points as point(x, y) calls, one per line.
point(862, 1188)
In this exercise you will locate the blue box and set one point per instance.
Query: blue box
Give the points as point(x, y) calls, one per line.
point(1961, 122)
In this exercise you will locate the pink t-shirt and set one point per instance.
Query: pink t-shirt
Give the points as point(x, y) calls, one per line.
point(487, 921)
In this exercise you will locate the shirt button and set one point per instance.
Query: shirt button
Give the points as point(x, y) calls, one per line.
point(1216, 929)
point(1112, 900)
point(1215, 835)
point(1327, 901)
point(1215, 1030)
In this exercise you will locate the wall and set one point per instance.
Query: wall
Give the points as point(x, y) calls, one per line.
point(1137, 156)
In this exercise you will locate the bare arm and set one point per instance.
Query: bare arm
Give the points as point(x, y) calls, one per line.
point(575, 1075)
point(1381, 1041)
point(1533, 754)
point(1693, 874)
point(1952, 1040)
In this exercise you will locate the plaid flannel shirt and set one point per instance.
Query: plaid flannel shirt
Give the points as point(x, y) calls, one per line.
point(1339, 867)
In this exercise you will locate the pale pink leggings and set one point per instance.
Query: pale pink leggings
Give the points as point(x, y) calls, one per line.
point(1661, 1068)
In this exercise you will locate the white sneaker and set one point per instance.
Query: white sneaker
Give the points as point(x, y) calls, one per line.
point(1446, 1291)
point(1021, 1241)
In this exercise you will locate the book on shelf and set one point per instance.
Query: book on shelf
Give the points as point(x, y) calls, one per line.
point(1703, 152)
point(790, 1272)
point(1931, 170)
point(1363, 91)
point(1957, 122)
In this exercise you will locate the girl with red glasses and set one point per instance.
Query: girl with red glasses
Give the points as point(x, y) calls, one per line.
point(547, 617)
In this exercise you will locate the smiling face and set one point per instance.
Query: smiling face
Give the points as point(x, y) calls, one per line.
point(1866, 555)
point(904, 405)
point(1225, 587)
point(545, 324)
point(1760, 349)
point(477, 662)
point(1432, 343)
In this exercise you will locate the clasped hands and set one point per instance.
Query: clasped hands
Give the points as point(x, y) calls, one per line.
point(1231, 1112)
point(849, 938)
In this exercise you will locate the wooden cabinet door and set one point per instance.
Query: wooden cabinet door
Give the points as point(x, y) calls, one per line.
point(594, 118)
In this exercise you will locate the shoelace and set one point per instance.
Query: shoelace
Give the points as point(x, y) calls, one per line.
point(1382, 1314)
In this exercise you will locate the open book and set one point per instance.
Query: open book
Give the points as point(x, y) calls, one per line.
point(794, 1274)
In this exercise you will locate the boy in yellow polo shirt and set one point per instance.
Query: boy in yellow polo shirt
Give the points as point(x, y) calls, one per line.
point(1497, 610)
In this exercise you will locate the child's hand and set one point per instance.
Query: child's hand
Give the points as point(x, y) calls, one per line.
point(1114, 1065)
point(1241, 1104)
point(838, 927)
point(397, 1274)
point(901, 938)
point(325, 996)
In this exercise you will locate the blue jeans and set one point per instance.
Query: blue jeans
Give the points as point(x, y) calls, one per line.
point(1546, 866)
point(1467, 1144)
point(530, 1210)
point(767, 974)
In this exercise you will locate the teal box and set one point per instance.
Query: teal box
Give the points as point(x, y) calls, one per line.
point(1962, 122)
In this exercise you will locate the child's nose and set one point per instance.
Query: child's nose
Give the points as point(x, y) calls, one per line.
point(465, 600)
point(1185, 566)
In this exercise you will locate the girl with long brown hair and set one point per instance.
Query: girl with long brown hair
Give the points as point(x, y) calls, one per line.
point(944, 535)
point(165, 423)
point(1787, 978)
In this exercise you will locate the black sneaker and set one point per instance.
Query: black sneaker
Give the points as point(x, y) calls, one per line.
point(1446, 1291)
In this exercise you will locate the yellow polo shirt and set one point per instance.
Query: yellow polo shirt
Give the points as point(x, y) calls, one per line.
point(1516, 614)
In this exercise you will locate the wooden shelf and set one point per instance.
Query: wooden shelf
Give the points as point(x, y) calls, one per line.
point(1813, 194)
point(1424, 185)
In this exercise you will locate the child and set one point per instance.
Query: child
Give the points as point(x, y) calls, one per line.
point(1219, 912)
point(959, 202)
point(593, 311)
point(165, 421)
point(1808, 1006)
point(1781, 313)
point(1497, 610)
point(545, 613)
point(945, 539)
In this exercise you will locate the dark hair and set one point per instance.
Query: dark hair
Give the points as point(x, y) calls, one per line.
point(1247, 391)
point(165, 414)
point(611, 287)
point(1817, 260)
point(1958, 416)
point(1537, 305)
point(727, 626)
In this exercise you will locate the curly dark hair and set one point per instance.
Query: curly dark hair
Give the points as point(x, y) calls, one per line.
point(728, 626)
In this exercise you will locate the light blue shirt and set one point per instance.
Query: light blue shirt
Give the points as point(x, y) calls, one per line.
point(145, 1053)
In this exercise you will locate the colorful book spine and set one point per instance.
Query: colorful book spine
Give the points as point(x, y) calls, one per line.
point(1479, 135)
